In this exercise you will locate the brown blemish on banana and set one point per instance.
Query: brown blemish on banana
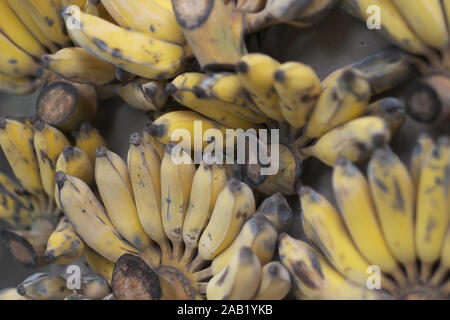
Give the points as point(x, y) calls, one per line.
point(300, 269)
point(192, 14)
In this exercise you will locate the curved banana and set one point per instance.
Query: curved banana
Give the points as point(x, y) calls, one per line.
point(275, 282)
point(143, 94)
point(132, 51)
point(43, 286)
point(420, 153)
point(88, 139)
point(18, 85)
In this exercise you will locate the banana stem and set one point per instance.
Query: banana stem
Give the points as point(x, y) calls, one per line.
point(203, 274)
point(446, 58)
point(388, 285)
point(166, 250)
point(201, 287)
point(439, 275)
point(423, 67)
point(188, 255)
point(434, 58)
point(446, 288)
point(425, 271)
point(43, 204)
point(177, 249)
point(399, 277)
point(411, 272)
point(196, 263)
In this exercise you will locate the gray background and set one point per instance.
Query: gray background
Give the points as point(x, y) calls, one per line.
point(335, 42)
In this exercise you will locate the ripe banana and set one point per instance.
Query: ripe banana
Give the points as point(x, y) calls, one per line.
point(89, 218)
point(143, 94)
point(392, 110)
point(114, 185)
point(18, 85)
point(177, 174)
point(239, 280)
point(355, 140)
point(235, 204)
point(78, 65)
point(256, 73)
point(142, 55)
point(64, 245)
point(277, 211)
point(275, 282)
point(75, 162)
point(88, 139)
point(420, 153)
point(43, 286)
point(298, 89)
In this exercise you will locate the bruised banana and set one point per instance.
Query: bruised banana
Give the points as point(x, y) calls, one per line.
point(64, 245)
point(147, 17)
point(256, 73)
point(234, 205)
point(392, 110)
point(78, 65)
point(239, 280)
point(18, 86)
point(275, 282)
point(182, 89)
point(48, 143)
point(143, 94)
point(298, 89)
point(89, 218)
point(420, 153)
point(88, 139)
point(43, 286)
point(355, 140)
point(142, 55)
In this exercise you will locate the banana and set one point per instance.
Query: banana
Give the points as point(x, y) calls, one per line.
point(343, 100)
point(32, 27)
point(100, 265)
point(143, 94)
point(10, 294)
point(48, 144)
point(142, 55)
point(88, 139)
point(393, 26)
point(18, 86)
point(355, 140)
point(177, 174)
point(444, 263)
point(94, 287)
point(256, 73)
point(16, 31)
point(209, 180)
point(354, 200)
point(298, 89)
point(78, 65)
point(64, 245)
point(16, 63)
point(275, 282)
point(182, 89)
point(114, 185)
point(326, 229)
point(427, 20)
point(146, 16)
point(313, 277)
point(420, 153)
point(239, 280)
point(392, 110)
point(46, 14)
point(393, 194)
point(16, 141)
point(43, 286)
point(144, 166)
point(277, 211)
point(235, 204)
point(155, 143)
point(432, 213)
point(75, 162)
point(89, 218)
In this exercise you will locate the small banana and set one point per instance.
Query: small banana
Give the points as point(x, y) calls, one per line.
point(392, 110)
point(143, 94)
point(420, 153)
point(277, 211)
point(275, 282)
point(99, 264)
point(298, 89)
point(64, 245)
point(43, 286)
point(239, 280)
point(78, 65)
point(355, 140)
point(18, 86)
point(88, 139)
point(256, 73)
point(235, 204)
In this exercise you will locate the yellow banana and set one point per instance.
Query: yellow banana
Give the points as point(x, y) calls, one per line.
point(18, 85)
point(239, 280)
point(64, 245)
point(420, 153)
point(231, 115)
point(132, 51)
point(43, 286)
point(275, 282)
point(256, 73)
point(10, 294)
point(427, 20)
point(48, 144)
point(354, 200)
point(78, 65)
point(298, 89)
point(393, 194)
point(235, 204)
point(88, 139)
point(392, 110)
point(343, 100)
point(277, 211)
point(100, 265)
point(177, 174)
point(143, 94)
point(89, 218)
point(146, 16)
point(355, 140)
point(15, 30)
point(432, 211)
point(114, 185)
point(393, 26)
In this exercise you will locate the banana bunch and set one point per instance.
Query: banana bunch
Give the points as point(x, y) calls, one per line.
point(420, 28)
point(170, 227)
point(35, 151)
point(392, 232)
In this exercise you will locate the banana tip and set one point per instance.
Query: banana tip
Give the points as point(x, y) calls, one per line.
point(241, 67)
point(135, 138)
point(279, 75)
point(39, 125)
point(171, 89)
point(60, 178)
point(3, 122)
point(100, 151)
point(200, 92)
point(68, 152)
